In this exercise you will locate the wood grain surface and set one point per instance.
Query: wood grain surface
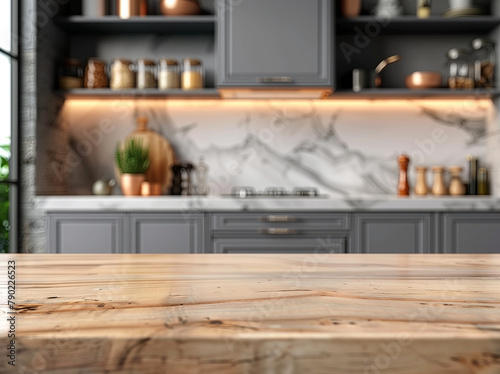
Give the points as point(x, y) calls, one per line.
point(262, 314)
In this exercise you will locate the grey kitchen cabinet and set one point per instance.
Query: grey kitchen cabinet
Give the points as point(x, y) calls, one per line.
point(85, 232)
point(471, 232)
point(392, 233)
point(266, 43)
point(167, 233)
point(279, 245)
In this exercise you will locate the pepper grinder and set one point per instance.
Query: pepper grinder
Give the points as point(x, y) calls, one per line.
point(421, 188)
point(473, 165)
point(457, 187)
point(439, 186)
point(403, 187)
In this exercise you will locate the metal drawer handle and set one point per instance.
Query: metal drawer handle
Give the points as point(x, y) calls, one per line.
point(282, 79)
point(278, 231)
point(279, 219)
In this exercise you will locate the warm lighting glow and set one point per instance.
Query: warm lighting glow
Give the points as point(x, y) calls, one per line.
point(124, 10)
point(382, 105)
point(170, 4)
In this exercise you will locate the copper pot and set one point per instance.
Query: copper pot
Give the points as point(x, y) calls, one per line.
point(424, 79)
point(131, 184)
point(131, 8)
point(179, 7)
point(351, 8)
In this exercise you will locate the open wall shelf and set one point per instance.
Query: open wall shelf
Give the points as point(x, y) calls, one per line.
point(417, 26)
point(111, 25)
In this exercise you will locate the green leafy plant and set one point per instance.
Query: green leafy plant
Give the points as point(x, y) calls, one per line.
point(4, 199)
point(133, 158)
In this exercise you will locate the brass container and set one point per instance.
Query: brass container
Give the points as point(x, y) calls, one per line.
point(131, 184)
point(131, 8)
point(150, 189)
point(179, 7)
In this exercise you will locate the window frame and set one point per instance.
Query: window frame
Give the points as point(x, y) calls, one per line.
point(13, 180)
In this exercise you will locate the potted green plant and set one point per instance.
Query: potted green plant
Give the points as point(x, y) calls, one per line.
point(132, 161)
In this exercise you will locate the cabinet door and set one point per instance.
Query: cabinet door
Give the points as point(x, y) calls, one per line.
point(167, 233)
point(278, 245)
point(261, 41)
point(471, 232)
point(85, 233)
point(392, 233)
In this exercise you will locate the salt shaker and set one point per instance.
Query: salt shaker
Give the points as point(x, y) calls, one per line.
point(202, 187)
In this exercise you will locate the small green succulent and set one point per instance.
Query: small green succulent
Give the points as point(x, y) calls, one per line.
point(133, 158)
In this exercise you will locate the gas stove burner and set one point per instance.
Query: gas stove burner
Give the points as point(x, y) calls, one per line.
point(243, 192)
point(305, 192)
point(276, 191)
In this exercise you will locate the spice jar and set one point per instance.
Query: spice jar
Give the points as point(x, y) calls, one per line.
point(460, 69)
point(122, 74)
point(484, 62)
point(70, 74)
point(192, 75)
point(169, 74)
point(146, 74)
point(95, 74)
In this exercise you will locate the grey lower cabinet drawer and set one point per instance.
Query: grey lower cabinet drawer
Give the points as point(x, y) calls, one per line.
point(471, 232)
point(392, 233)
point(279, 245)
point(267, 220)
point(85, 233)
point(167, 233)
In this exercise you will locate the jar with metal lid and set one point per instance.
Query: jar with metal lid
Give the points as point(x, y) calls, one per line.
point(146, 74)
point(122, 74)
point(460, 69)
point(95, 74)
point(484, 57)
point(70, 74)
point(169, 74)
point(192, 74)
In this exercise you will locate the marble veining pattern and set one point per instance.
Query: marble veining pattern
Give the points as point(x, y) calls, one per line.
point(344, 149)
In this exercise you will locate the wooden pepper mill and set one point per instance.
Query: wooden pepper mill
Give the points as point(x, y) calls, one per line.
point(403, 186)
point(421, 188)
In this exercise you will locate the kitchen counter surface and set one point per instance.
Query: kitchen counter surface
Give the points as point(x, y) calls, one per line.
point(397, 314)
point(218, 203)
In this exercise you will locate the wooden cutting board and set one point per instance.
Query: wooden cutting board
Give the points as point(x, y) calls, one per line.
point(160, 151)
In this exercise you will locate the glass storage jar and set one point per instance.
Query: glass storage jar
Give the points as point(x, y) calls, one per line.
point(484, 62)
point(169, 74)
point(70, 74)
point(146, 74)
point(192, 74)
point(122, 74)
point(95, 74)
point(460, 69)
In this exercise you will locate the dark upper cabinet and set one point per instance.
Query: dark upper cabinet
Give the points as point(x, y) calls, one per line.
point(471, 232)
point(275, 43)
point(392, 233)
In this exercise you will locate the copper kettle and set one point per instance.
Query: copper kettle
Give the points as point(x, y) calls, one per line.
point(179, 7)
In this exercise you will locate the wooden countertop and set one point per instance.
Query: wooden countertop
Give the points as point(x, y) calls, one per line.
point(262, 314)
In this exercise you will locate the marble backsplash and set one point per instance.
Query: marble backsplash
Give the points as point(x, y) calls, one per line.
point(344, 148)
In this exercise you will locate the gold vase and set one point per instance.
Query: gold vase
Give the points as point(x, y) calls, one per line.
point(131, 184)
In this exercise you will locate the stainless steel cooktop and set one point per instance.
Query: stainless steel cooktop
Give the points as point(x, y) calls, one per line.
point(276, 192)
